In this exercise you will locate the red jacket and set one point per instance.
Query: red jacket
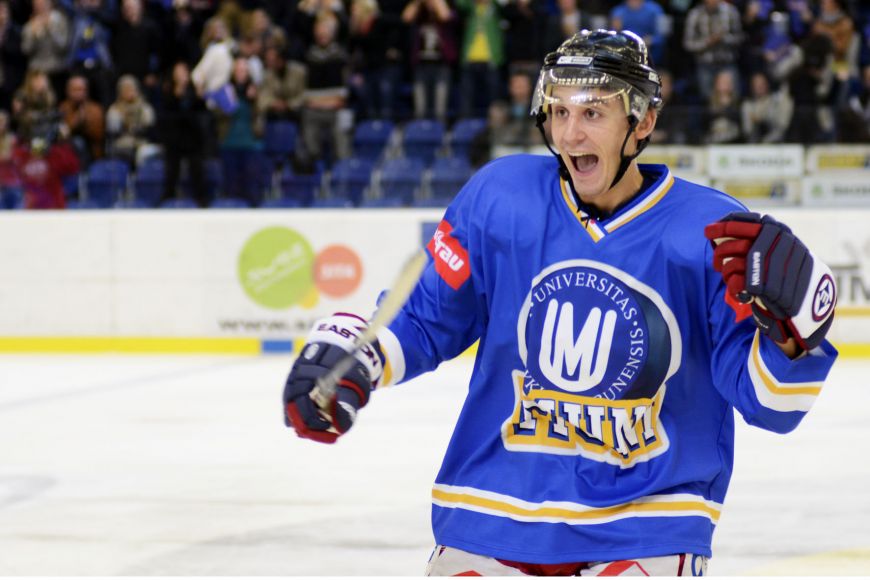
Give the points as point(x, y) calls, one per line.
point(42, 175)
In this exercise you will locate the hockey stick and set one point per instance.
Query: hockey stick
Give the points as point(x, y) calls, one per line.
point(389, 307)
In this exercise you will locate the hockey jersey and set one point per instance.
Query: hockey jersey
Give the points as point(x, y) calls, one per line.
point(599, 418)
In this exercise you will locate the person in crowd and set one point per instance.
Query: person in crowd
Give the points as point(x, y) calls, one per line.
point(376, 56)
point(43, 165)
point(10, 180)
point(723, 110)
point(780, 55)
point(855, 116)
point(713, 34)
point(282, 92)
point(135, 47)
point(834, 22)
point(765, 114)
point(212, 73)
point(240, 138)
point(434, 51)
point(89, 54)
point(180, 39)
point(250, 47)
point(811, 86)
point(130, 123)
point(12, 61)
point(34, 108)
point(85, 120)
point(267, 32)
point(645, 18)
point(325, 116)
point(182, 123)
point(45, 42)
point(527, 39)
point(679, 121)
point(482, 56)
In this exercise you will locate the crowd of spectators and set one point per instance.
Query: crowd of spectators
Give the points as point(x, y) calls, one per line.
point(192, 80)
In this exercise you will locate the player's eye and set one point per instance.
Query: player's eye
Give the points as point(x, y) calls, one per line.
point(560, 112)
point(592, 114)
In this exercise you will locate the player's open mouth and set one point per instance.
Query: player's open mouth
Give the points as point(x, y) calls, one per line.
point(584, 162)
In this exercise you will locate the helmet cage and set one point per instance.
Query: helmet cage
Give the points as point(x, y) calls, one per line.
point(588, 88)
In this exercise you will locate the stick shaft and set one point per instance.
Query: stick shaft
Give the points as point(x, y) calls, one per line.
point(389, 307)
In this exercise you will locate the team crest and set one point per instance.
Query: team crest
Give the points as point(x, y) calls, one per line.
point(598, 348)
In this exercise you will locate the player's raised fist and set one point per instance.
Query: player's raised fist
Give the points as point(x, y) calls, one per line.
point(762, 262)
point(328, 342)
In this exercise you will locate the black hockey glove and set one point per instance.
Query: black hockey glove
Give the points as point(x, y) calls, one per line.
point(328, 342)
point(762, 262)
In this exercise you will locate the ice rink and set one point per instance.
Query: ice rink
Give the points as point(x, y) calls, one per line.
point(181, 465)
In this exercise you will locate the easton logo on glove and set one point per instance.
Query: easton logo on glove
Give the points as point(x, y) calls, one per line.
point(792, 293)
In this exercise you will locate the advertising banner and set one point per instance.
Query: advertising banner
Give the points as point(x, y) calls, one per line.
point(750, 161)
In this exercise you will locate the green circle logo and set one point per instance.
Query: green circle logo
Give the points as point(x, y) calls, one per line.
point(276, 268)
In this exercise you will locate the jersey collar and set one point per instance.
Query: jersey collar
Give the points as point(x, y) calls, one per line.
point(642, 203)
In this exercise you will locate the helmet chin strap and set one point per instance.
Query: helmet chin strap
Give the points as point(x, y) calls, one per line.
point(624, 162)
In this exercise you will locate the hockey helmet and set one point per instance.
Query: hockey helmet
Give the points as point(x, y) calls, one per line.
point(601, 65)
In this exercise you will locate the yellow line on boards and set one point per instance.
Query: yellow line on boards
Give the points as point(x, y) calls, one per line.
point(129, 344)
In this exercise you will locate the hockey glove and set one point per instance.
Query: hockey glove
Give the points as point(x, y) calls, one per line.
point(328, 342)
point(762, 262)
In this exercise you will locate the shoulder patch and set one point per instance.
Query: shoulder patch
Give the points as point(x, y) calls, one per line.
point(451, 259)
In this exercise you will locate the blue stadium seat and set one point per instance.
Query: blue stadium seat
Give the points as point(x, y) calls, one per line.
point(431, 202)
point(370, 138)
point(281, 202)
point(148, 182)
point(82, 204)
point(349, 179)
point(382, 202)
point(330, 202)
point(463, 133)
point(302, 187)
point(179, 203)
point(106, 181)
point(230, 203)
point(401, 178)
point(11, 197)
point(422, 138)
point(279, 141)
point(447, 176)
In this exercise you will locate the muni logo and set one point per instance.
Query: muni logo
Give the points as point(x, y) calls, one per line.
point(598, 347)
point(564, 354)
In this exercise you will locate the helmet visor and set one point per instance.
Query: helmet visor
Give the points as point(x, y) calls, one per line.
point(580, 86)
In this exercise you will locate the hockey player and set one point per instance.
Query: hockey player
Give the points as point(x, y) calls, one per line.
point(622, 314)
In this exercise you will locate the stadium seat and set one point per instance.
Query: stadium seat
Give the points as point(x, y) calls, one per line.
point(279, 141)
point(382, 202)
point(462, 135)
point(400, 178)
point(179, 203)
point(302, 187)
point(370, 138)
point(447, 176)
point(349, 179)
point(230, 203)
point(82, 204)
point(148, 182)
point(106, 181)
point(11, 197)
point(422, 138)
point(330, 202)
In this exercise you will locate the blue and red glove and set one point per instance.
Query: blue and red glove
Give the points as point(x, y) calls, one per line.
point(792, 292)
point(328, 342)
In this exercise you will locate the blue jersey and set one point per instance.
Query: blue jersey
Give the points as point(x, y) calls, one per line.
point(599, 419)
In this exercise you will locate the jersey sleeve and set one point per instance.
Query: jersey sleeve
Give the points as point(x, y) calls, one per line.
point(445, 313)
point(752, 373)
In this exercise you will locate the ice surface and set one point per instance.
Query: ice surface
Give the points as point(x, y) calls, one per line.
point(143, 465)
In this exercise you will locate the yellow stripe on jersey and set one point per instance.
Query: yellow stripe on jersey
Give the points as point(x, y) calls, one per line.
point(589, 225)
point(775, 394)
point(495, 504)
point(597, 232)
point(650, 200)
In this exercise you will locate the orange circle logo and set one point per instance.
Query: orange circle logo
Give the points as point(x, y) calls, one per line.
point(337, 271)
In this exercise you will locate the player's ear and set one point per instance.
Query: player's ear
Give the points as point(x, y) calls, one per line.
point(647, 124)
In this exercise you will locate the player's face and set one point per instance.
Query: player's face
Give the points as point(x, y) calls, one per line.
point(589, 132)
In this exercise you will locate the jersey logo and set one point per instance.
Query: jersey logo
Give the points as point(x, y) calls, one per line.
point(823, 298)
point(598, 347)
point(451, 259)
